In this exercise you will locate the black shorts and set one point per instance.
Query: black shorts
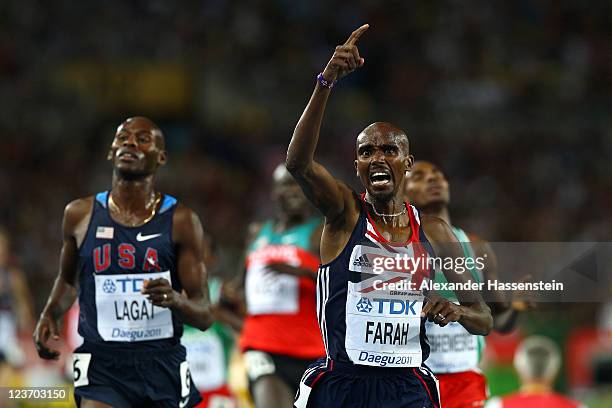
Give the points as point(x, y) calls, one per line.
point(328, 383)
point(287, 368)
point(129, 378)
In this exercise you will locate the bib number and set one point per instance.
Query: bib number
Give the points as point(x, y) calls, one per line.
point(80, 368)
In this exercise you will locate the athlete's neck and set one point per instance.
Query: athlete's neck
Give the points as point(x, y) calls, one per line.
point(437, 210)
point(132, 195)
point(392, 212)
point(536, 388)
point(391, 205)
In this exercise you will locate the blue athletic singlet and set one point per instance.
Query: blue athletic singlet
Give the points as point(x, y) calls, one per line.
point(114, 260)
point(363, 320)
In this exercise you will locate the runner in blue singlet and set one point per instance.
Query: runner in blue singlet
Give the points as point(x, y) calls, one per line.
point(136, 257)
point(372, 330)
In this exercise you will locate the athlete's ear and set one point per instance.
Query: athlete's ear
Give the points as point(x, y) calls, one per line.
point(109, 156)
point(409, 162)
point(162, 158)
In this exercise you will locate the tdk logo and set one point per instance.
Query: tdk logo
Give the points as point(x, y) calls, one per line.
point(124, 285)
point(109, 286)
point(364, 305)
point(362, 261)
point(387, 306)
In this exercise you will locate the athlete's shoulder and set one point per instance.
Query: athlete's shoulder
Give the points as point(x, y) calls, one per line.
point(184, 214)
point(186, 225)
point(346, 220)
point(433, 223)
point(78, 209)
point(475, 238)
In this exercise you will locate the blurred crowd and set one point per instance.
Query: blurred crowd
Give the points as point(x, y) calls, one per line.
point(511, 98)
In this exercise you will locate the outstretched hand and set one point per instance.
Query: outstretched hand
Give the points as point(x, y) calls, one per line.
point(346, 57)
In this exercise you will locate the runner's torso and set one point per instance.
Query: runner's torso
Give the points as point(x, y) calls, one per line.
point(281, 308)
point(367, 325)
point(114, 260)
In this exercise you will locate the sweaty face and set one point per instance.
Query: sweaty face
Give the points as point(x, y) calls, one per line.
point(287, 192)
point(426, 185)
point(382, 160)
point(137, 149)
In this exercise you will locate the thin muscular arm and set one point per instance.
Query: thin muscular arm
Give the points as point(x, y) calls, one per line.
point(192, 308)
point(473, 313)
point(322, 189)
point(64, 290)
point(329, 195)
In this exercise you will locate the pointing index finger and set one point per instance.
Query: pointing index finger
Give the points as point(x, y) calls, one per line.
point(356, 34)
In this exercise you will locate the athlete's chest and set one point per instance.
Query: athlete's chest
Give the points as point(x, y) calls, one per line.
point(116, 249)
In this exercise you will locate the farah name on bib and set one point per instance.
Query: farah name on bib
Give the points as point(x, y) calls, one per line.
point(383, 329)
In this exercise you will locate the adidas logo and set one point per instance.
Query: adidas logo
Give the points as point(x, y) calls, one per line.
point(362, 261)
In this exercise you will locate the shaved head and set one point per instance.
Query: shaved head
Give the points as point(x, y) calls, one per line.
point(378, 129)
point(537, 359)
point(144, 122)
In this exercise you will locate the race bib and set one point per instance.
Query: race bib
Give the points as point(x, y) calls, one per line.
point(125, 314)
point(206, 359)
point(268, 292)
point(453, 348)
point(383, 327)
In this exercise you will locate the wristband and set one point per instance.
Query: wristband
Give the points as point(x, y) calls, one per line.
point(324, 82)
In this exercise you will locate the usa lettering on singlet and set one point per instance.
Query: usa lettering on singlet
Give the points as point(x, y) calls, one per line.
point(114, 262)
point(379, 327)
point(453, 348)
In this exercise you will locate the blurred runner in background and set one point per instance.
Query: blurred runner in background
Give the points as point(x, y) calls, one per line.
point(281, 337)
point(455, 353)
point(537, 362)
point(15, 317)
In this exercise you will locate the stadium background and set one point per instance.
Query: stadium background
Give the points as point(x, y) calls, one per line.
point(511, 98)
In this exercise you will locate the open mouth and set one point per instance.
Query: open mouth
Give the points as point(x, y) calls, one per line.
point(380, 178)
point(127, 156)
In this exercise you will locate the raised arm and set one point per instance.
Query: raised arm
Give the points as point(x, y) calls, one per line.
point(472, 312)
point(193, 305)
point(63, 294)
point(322, 189)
